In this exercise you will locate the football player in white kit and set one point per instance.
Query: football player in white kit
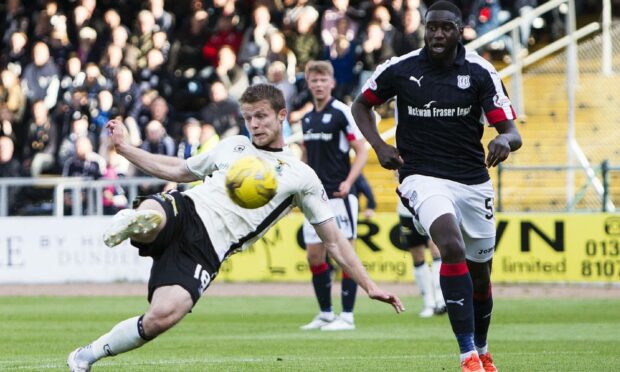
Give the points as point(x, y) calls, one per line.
point(189, 234)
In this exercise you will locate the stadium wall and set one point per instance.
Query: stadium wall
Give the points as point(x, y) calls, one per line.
point(531, 248)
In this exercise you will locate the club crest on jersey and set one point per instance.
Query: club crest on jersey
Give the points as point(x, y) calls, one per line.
point(326, 118)
point(280, 166)
point(239, 148)
point(462, 81)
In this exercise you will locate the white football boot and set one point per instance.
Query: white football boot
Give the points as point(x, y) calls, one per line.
point(342, 323)
point(129, 222)
point(76, 365)
point(319, 321)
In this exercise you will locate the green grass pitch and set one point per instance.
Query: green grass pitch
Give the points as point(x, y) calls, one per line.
point(261, 334)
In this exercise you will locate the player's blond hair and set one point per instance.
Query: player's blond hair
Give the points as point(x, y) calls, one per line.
point(319, 67)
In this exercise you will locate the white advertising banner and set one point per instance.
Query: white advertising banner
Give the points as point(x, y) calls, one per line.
point(68, 249)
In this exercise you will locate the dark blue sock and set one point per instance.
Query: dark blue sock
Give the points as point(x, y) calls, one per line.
point(457, 289)
point(483, 307)
point(322, 282)
point(349, 289)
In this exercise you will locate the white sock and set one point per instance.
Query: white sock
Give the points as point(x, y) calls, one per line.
point(347, 316)
point(422, 275)
point(122, 338)
point(482, 350)
point(467, 355)
point(328, 315)
point(439, 301)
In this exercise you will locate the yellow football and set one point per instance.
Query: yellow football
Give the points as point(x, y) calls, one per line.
point(251, 182)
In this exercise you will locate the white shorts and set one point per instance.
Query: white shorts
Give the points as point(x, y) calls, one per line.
point(345, 213)
point(472, 205)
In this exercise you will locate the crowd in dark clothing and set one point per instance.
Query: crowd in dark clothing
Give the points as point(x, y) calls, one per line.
point(173, 71)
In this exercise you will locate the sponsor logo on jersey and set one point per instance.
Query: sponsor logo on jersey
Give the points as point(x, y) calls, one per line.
point(309, 136)
point(501, 100)
point(436, 112)
point(462, 81)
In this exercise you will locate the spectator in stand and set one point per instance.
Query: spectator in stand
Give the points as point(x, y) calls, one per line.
point(41, 78)
point(13, 19)
point(79, 128)
point(127, 99)
point(383, 17)
point(87, 50)
point(186, 50)
point(255, 43)
point(162, 44)
point(142, 39)
point(224, 34)
point(104, 111)
point(85, 163)
point(191, 139)
point(40, 142)
point(223, 113)
point(155, 76)
point(412, 36)
point(277, 75)
point(9, 167)
point(208, 138)
point(60, 46)
point(303, 41)
point(157, 140)
point(375, 50)
point(114, 198)
point(163, 19)
point(343, 55)
point(72, 78)
point(12, 102)
point(94, 83)
point(329, 24)
point(120, 37)
point(111, 61)
point(15, 55)
point(111, 20)
point(230, 73)
point(279, 52)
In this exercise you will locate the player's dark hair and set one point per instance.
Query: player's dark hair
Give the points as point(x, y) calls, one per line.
point(446, 5)
point(259, 92)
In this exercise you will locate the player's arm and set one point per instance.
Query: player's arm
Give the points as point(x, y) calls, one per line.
point(501, 146)
point(340, 249)
point(166, 167)
point(365, 119)
point(361, 156)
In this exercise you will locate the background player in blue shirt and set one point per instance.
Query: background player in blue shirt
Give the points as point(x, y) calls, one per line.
point(442, 92)
point(329, 133)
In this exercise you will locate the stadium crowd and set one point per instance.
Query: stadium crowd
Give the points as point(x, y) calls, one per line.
point(174, 71)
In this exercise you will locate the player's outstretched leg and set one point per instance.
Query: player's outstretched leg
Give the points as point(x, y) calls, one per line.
point(168, 306)
point(345, 321)
point(143, 223)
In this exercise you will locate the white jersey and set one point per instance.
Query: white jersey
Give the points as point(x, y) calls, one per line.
point(233, 228)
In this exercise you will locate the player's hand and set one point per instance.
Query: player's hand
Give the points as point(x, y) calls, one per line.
point(116, 131)
point(343, 190)
point(499, 149)
point(392, 299)
point(389, 157)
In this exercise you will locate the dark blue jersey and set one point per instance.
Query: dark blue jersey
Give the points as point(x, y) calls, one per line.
point(439, 112)
point(327, 135)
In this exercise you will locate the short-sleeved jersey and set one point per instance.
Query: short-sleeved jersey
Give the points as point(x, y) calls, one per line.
point(233, 228)
point(327, 136)
point(439, 112)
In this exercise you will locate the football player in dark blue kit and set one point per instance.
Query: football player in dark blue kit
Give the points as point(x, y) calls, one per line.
point(329, 133)
point(441, 92)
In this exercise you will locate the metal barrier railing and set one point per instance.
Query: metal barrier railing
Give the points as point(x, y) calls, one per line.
point(75, 186)
point(601, 201)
